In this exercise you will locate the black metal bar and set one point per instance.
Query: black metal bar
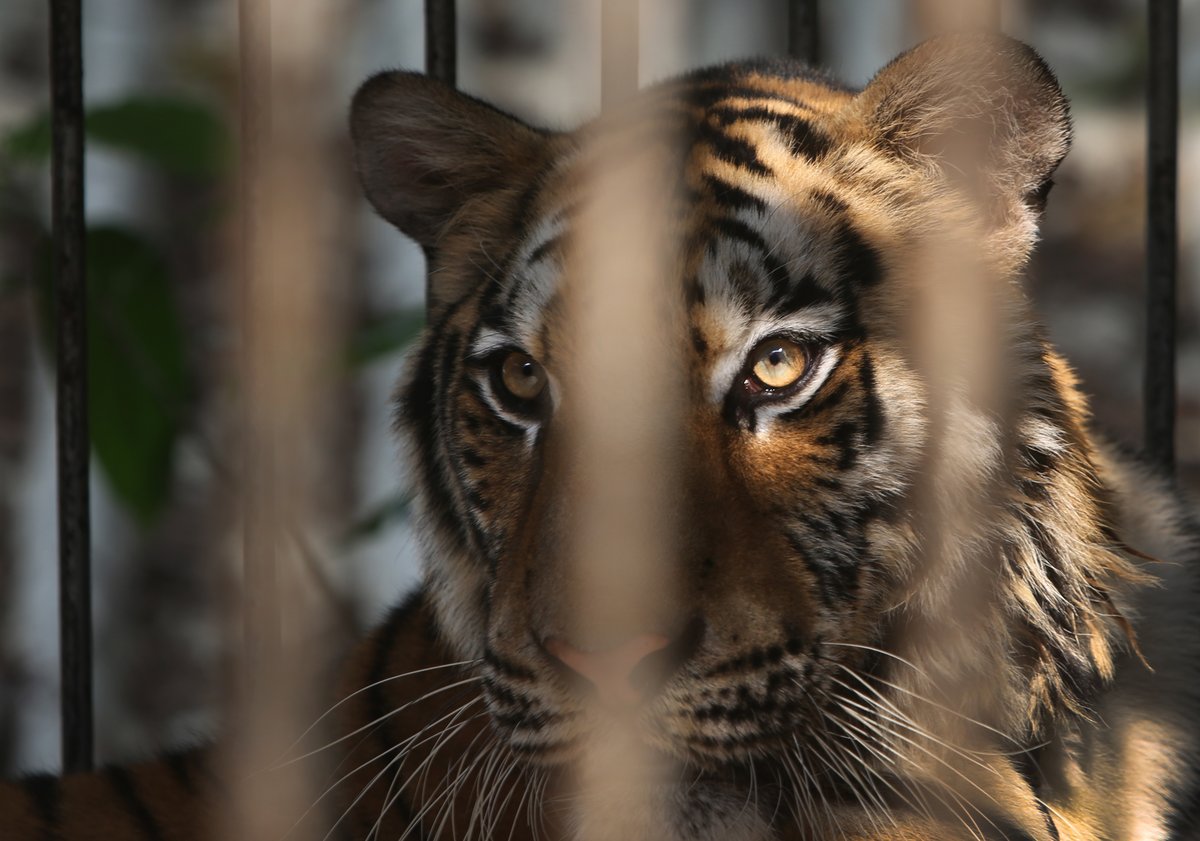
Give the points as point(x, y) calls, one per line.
point(619, 43)
point(804, 30)
point(441, 58)
point(441, 42)
point(70, 284)
point(1161, 231)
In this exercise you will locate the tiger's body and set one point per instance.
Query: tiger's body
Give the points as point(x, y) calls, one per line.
point(909, 607)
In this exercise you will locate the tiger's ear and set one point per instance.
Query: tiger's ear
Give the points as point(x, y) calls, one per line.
point(424, 151)
point(975, 104)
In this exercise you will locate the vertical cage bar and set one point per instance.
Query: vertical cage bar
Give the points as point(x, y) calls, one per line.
point(261, 623)
point(931, 17)
point(441, 54)
point(622, 421)
point(804, 30)
point(70, 283)
point(619, 44)
point(441, 42)
point(1161, 231)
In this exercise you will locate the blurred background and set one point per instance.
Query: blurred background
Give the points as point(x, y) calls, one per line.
point(161, 92)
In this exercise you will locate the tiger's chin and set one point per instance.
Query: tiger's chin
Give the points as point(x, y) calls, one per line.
point(683, 793)
point(690, 806)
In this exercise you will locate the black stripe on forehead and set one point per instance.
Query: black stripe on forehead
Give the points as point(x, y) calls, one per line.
point(802, 138)
point(734, 151)
point(731, 197)
point(829, 202)
point(497, 270)
point(777, 274)
point(805, 292)
point(553, 246)
point(785, 294)
point(859, 261)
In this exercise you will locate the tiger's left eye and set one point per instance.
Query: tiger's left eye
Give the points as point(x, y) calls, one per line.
point(776, 364)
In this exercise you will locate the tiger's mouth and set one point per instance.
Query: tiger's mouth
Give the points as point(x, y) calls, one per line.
point(747, 787)
point(715, 719)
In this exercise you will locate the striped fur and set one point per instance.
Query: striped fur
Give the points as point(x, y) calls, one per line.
point(920, 591)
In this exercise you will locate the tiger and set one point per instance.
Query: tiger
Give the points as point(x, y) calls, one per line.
point(909, 607)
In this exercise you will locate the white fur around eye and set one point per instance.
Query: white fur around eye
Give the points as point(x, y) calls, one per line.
point(530, 425)
point(486, 342)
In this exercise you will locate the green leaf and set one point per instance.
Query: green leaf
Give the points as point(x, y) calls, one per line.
point(180, 136)
point(138, 379)
point(29, 143)
point(388, 511)
point(390, 334)
point(183, 137)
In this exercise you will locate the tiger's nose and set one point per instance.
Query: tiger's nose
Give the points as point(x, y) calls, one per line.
point(613, 673)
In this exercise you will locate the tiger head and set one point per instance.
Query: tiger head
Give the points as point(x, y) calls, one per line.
point(834, 431)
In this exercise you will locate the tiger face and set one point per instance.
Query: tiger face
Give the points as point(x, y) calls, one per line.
point(814, 440)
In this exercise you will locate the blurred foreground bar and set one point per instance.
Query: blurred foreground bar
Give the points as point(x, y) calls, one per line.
point(1161, 231)
point(930, 17)
point(74, 522)
point(260, 599)
point(619, 44)
point(622, 420)
point(288, 306)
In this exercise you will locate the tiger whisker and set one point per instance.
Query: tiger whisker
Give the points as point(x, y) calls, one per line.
point(521, 803)
point(831, 820)
point(447, 796)
point(355, 694)
point(464, 769)
point(480, 784)
point(489, 815)
point(377, 721)
point(798, 804)
point(513, 766)
point(908, 724)
point(973, 828)
point(922, 698)
point(467, 770)
point(408, 744)
point(395, 792)
point(874, 725)
point(865, 742)
point(449, 730)
point(400, 746)
point(917, 696)
point(853, 778)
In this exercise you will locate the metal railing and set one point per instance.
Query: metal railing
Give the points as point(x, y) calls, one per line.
point(1162, 173)
point(70, 284)
point(441, 61)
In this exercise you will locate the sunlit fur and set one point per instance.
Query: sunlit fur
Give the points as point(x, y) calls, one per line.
point(927, 600)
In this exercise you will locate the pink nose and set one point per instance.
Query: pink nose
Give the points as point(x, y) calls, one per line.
point(611, 671)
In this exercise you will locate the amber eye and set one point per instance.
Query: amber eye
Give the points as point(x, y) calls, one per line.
point(777, 364)
point(522, 377)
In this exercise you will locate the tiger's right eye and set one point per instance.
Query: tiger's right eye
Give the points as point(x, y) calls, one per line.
point(522, 376)
point(777, 364)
